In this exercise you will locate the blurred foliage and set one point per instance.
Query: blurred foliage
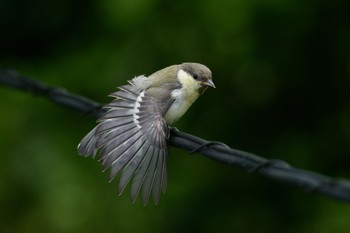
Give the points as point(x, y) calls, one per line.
point(282, 71)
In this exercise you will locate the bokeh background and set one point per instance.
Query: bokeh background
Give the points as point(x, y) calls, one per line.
point(282, 71)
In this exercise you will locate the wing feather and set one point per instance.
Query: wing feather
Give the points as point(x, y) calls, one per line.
point(124, 156)
point(149, 176)
point(110, 124)
point(87, 146)
point(131, 137)
point(114, 143)
point(133, 165)
point(140, 174)
point(116, 114)
point(159, 184)
point(117, 134)
point(120, 104)
point(127, 96)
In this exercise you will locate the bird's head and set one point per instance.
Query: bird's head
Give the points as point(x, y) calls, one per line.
point(195, 76)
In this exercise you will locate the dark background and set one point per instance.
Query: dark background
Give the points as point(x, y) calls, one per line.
point(282, 71)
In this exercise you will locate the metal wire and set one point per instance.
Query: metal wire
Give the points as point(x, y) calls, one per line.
point(276, 169)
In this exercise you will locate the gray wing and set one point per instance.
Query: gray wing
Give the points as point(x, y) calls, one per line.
point(131, 137)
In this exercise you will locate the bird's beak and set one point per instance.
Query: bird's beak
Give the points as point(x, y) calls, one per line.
point(209, 83)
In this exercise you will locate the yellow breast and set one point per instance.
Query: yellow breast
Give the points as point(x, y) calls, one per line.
point(184, 97)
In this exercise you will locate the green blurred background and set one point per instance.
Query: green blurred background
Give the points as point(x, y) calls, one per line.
point(282, 71)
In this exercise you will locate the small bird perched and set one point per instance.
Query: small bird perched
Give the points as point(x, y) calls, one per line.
point(131, 136)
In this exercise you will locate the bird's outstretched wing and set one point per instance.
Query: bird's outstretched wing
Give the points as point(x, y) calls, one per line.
point(131, 138)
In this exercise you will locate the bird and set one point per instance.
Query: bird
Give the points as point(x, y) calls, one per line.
point(131, 136)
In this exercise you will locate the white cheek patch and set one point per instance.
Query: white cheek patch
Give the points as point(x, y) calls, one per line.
point(190, 86)
point(186, 80)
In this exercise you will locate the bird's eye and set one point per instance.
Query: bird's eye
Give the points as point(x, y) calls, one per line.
point(195, 76)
